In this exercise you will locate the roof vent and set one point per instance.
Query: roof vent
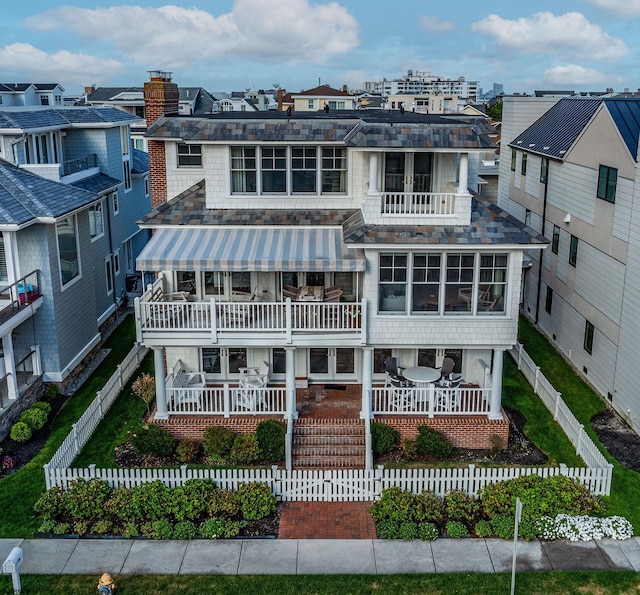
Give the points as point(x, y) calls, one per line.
point(546, 148)
point(532, 144)
point(519, 142)
point(562, 152)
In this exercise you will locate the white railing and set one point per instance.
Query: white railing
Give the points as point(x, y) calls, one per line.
point(585, 448)
point(279, 317)
point(418, 203)
point(81, 430)
point(226, 400)
point(334, 485)
point(430, 401)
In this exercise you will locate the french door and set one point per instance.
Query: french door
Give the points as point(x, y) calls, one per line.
point(407, 172)
point(333, 363)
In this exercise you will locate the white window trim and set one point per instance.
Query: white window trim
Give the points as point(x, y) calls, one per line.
point(115, 203)
point(108, 276)
point(98, 206)
point(190, 145)
point(116, 263)
point(65, 286)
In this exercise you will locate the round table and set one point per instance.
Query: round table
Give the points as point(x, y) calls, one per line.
point(421, 375)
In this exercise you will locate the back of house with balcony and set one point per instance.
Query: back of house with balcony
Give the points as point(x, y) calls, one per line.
point(72, 191)
point(301, 251)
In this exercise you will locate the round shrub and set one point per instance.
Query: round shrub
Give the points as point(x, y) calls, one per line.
point(271, 437)
point(408, 530)
point(395, 504)
point(217, 442)
point(185, 530)
point(188, 451)
point(20, 432)
point(483, 529)
point(130, 530)
point(428, 508)
point(52, 505)
point(433, 443)
point(220, 528)
point(383, 438)
point(409, 449)
point(86, 499)
point(150, 501)
point(388, 529)
point(190, 502)
point(162, 529)
point(503, 526)
point(427, 531)
point(43, 405)
point(151, 439)
point(119, 507)
point(456, 529)
point(224, 503)
point(245, 449)
point(35, 418)
point(459, 506)
point(102, 527)
point(256, 499)
point(80, 528)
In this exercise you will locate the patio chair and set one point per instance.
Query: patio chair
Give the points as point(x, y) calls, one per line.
point(334, 295)
point(394, 373)
point(288, 291)
point(446, 372)
point(399, 396)
point(251, 389)
point(244, 296)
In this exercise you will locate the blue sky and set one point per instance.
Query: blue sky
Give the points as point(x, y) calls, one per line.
point(226, 45)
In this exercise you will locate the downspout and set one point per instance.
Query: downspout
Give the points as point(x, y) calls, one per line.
point(113, 273)
point(544, 223)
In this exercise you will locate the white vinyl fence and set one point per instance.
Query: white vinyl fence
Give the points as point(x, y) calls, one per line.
point(336, 485)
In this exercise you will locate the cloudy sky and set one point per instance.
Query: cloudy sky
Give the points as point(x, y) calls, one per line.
point(226, 45)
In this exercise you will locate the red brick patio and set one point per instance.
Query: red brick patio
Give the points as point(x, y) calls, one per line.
point(326, 520)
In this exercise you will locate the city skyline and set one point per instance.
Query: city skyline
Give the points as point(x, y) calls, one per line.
point(297, 44)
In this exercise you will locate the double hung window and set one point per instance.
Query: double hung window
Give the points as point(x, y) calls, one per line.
point(607, 182)
point(189, 155)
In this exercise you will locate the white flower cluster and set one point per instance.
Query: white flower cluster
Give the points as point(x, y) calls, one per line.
point(583, 528)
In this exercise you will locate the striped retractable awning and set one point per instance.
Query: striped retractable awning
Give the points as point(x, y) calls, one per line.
point(249, 249)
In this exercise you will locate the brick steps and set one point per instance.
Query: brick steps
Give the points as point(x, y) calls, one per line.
point(328, 444)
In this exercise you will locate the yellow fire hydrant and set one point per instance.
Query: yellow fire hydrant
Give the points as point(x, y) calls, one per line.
point(105, 584)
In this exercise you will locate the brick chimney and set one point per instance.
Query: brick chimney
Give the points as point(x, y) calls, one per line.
point(160, 98)
point(279, 99)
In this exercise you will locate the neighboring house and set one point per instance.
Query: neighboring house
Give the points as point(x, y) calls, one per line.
point(323, 97)
point(578, 182)
point(192, 101)
point(237, 102)
point(319, 245)
point(79, 187)
point(20, 94)
point(434, 102)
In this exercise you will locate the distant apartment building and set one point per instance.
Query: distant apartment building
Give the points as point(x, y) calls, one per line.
point(424, 82)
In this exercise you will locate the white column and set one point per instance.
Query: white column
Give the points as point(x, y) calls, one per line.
point(367, 381)
point(161, 388)
point(373, 173)
point(10, 366)
point(290, 354)
point(463, 174)
point(495, 411)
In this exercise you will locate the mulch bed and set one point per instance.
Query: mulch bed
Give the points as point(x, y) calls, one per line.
point(618, 438)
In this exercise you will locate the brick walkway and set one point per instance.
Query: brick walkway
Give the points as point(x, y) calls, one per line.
point(326, 520)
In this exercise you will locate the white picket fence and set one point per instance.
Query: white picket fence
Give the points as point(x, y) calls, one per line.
point(81, 430)
point(336, 485)
point(552, 399)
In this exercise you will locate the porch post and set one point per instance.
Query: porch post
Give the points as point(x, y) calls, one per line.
point(290, 354)
point(373, 173)
point(495, 411)
point(463, 174)
point(10, 366)
point(367, 382)
point(161, 388)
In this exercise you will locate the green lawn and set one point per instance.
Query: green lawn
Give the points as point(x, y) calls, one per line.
point(532, 583)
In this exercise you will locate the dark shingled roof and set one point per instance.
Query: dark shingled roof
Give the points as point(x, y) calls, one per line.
point(355, 129)
point(140, 163)
point(37, 117)
point(555, 132)
point(97, 183)
point(25, 196)
point(489, 223)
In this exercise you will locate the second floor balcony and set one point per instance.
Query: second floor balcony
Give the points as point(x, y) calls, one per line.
point(62, 172)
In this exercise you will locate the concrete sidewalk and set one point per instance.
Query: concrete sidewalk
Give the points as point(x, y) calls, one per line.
point(315, 556)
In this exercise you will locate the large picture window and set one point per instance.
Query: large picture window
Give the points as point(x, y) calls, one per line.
point(68, 249)
point(288, 170)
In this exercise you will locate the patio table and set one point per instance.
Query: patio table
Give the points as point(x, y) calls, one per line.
point(422, 377)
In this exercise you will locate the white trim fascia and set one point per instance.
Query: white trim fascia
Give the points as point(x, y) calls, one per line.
point(105, 315)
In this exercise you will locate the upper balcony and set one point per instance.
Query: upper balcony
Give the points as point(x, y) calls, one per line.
point(19, 301)
point(68, 171)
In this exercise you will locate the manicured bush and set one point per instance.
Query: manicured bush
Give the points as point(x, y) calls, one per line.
point(86, 499)
point(256, 499)
point(428, 508)
point(245, 449)
point(20, 432)
point(119, 507)
point(81, 528)
point(190, 502)
point(43, 405)
point(52, 505)
point(188, 451)
point(62, 529)
point(224, 503)
point(162, 529)
point(217, 528)
point(388, 529)
point(409, 449)
point(540, 496)
point(185, 530)
point(102, 527)
point(383, 438)
point(408, 530)
point(217, 442)
point(483, 529)
point(130, 530)
point(151, 439)
point(459, 506)
point(35, 418)
point(271, 437)
point(456, 529)
point(395, 504)
point(427, 531)
point(150, 501)
point(433, 443)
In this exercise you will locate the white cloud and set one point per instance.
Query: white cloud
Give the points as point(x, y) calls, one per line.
point(570, 75)
point(435, 24)
point(570, 35)
point(624, 7)
point(172, 37)
point(27, 62)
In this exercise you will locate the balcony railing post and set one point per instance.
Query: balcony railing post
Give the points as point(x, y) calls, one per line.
point(226, 400)
point(289, 319)
point(214, 320)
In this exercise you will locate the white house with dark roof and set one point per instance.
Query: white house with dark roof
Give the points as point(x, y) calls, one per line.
point(570, 170)
point(72, 191)
point(307, 249)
